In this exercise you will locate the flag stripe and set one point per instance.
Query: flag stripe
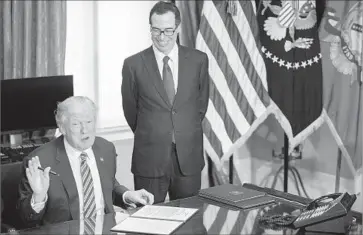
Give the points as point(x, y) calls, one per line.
point(245, 16)
point(222, 64)
point(250, 221)
point(209, 212)
point(230, 222)
point(253, 4)
point(214, 20)
point(219, 102)
point(218, 127)
point(212, 138)
point(238, 227)
point(216, 227)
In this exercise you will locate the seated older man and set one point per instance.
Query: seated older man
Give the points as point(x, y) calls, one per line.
point(82, 182)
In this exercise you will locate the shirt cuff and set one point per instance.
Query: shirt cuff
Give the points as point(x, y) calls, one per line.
point(37, 207)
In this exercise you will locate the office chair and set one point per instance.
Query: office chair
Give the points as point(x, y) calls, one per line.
point(10, 179)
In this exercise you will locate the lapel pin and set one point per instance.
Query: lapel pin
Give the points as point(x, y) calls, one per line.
point(101, 159)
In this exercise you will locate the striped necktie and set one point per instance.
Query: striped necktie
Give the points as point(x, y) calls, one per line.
point(89, 204)
point(90, 226)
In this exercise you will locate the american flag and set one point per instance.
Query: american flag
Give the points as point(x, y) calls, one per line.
point(221, 220)
point(239, 100)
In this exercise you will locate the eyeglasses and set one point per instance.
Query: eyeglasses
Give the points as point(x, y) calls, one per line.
point(158, 32)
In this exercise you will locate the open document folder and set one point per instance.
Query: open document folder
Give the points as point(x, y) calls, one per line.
point(155, 220)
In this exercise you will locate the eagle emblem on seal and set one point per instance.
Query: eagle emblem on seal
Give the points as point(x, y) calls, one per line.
point(292, 15)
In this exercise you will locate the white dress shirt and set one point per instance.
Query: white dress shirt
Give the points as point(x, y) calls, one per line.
point(173, 63)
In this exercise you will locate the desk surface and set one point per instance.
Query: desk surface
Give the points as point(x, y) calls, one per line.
point(212, 218)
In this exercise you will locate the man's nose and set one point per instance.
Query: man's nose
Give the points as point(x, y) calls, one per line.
point(83, 128)
point(162, 35)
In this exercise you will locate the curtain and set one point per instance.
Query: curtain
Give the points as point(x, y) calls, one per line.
point(32, 38)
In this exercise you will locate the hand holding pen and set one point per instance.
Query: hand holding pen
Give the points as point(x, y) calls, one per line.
point(38, 179)
point(50, 172)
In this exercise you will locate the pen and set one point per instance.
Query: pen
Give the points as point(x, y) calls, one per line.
point(51, 172)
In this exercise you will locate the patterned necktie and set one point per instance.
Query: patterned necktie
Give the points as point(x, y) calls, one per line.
point(168, 80)
point(89, 204)
point(90, 226)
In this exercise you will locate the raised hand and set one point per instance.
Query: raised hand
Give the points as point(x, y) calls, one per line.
point(38, 180)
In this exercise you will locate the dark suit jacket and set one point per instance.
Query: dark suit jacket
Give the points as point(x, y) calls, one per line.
point(153, 119)
point(63, 201)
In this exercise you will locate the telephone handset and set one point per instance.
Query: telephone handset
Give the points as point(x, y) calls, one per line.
point(317, 211)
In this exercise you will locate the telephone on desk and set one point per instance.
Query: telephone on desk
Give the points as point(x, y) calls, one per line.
point(318, 211)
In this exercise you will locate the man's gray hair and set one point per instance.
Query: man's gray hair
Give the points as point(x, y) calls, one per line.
point(62, 111)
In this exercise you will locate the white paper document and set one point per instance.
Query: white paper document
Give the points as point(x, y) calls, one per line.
point(155, 220)
point(165, 213)
point(119, 217)
point(148, 226)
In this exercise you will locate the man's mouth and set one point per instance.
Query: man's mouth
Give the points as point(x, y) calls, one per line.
point(162, 43)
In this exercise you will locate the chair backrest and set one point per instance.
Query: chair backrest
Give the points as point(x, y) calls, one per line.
point(10, 179)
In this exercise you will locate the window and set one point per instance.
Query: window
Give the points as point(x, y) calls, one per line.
point(100, 35)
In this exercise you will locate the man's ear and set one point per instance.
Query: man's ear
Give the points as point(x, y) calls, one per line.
point(178, 29)
point(57, 133)
point(61, 129)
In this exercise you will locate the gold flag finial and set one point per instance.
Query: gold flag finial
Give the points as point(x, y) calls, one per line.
point(232, 7)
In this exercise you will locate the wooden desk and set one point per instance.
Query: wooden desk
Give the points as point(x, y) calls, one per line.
point(212, 218)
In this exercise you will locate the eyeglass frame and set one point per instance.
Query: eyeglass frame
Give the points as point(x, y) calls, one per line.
point(162, 31)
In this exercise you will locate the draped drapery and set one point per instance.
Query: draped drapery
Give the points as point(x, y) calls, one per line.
point(32, 38)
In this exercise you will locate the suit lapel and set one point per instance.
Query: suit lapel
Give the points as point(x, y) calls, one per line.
point(102, 171)
point(152, 67)
point(64, 169)
point(182, 80)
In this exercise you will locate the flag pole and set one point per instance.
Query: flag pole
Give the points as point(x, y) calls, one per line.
point(286, 162)
point(231, 169)
point(337, 173)
point(210, 171)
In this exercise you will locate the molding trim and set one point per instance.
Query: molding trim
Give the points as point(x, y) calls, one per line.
point(115, 133)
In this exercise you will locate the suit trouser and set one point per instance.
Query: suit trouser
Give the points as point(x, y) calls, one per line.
point(174, 182)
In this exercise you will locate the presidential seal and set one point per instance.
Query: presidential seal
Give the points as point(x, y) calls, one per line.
point(284, 24)
point(291, 16)
point(235, 193)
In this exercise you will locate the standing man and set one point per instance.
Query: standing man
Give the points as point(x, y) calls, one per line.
point(165, 91)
